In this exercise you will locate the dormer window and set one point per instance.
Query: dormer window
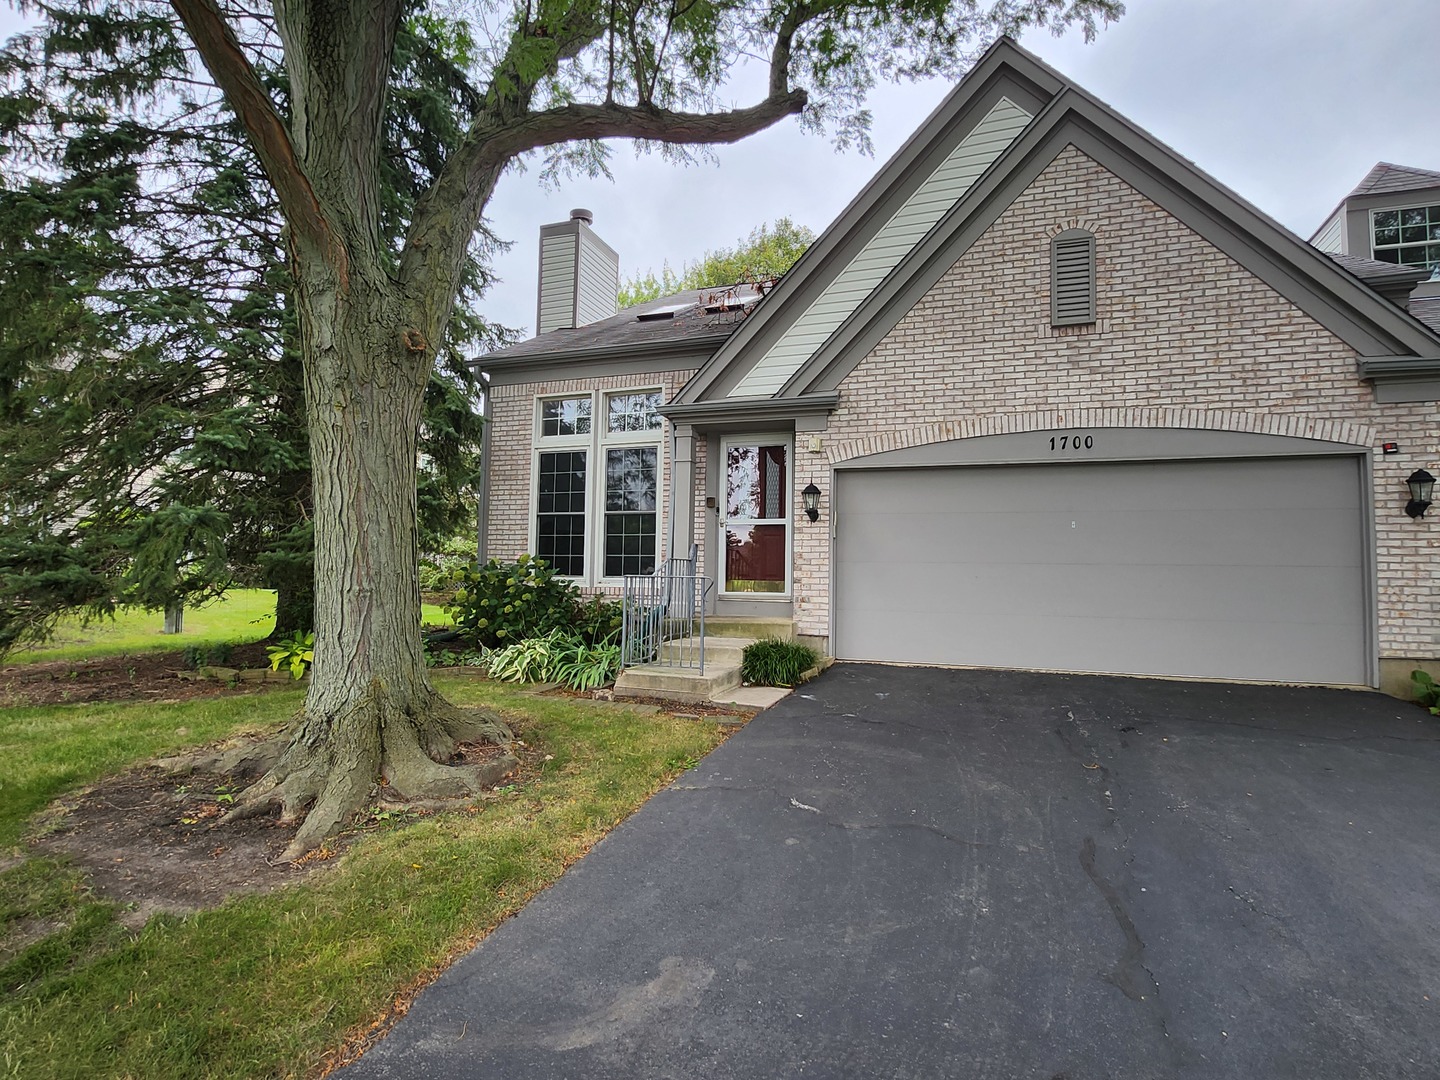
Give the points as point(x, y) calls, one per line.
point(1072, 278)
point(1410, 237)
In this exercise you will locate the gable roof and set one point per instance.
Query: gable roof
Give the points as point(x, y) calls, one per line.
point(1064, 116)
point(896, 191)
point(1385, 177)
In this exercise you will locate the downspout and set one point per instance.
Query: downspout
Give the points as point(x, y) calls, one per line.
point(670, 508)
point(482, 508)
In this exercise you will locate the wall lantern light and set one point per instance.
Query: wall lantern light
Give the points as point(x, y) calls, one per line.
point(1422, 486)
point(811, 498)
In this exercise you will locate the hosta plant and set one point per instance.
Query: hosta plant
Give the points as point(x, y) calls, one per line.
point(296, 652)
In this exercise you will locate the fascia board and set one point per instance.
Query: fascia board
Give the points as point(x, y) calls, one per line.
point(1309, 278)
point(847, 234)
point(754, 410)
point(1399, 367)
point(1393, 200)
point(599, 361)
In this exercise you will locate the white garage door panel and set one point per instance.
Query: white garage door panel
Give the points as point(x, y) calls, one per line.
point(1248, 569)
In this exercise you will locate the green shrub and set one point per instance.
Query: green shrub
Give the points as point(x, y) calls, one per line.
point(772, 662)
point(198, 656)
point(1426, 691)
point(597, 621)
point(440, 570)
point(499, 603)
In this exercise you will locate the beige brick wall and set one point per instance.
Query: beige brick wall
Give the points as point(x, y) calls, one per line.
point(1186, 337)
point(512, 457)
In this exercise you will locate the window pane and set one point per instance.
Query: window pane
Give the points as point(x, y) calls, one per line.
point(634, 412)
point(1387, 236)
point(565, 416)
point(1413, 217)
point(629, 544)
point(1386, 219)
point(630, 501)
point(755, 482)
point(630, 479)
point(755, 558)
point(560, 512)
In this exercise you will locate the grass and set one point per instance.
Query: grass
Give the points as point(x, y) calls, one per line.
point(237, 618)
point(46, 750)
point(266, 985)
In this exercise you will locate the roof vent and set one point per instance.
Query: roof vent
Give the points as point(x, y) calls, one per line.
point(581, 214)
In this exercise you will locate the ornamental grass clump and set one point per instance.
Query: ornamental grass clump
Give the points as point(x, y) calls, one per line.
point(772, 662)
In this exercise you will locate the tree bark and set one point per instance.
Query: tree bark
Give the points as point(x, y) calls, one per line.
point(371, 717)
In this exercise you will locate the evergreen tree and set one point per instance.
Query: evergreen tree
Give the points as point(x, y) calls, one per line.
point(153, 444)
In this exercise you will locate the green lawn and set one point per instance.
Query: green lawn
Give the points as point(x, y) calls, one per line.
point(238, 617)
point(266, 985)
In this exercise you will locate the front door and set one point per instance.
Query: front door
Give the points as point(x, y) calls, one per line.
point(755, 516)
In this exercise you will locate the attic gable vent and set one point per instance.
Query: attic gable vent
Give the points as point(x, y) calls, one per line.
point(1072, 278)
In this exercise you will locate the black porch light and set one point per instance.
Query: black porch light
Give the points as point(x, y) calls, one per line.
point(1422, 487)
point(810, 497)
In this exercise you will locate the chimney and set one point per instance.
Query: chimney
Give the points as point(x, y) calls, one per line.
point(579, 275)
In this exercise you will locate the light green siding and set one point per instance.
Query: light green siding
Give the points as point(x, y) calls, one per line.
point(940, 191)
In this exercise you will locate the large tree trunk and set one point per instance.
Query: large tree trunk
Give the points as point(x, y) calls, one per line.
point(371, 713)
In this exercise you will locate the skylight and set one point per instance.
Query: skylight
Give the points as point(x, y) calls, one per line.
point(669, 311)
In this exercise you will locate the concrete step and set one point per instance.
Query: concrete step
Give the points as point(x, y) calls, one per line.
point(718, 650)
point(752, 627)
point(677, 684)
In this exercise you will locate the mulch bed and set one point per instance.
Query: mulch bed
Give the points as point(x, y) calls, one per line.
point(148, 676)
point(150, 839)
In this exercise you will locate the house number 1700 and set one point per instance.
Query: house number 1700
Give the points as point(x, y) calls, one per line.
point(1072, 442)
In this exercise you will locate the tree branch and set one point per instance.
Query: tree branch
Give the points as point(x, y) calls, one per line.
point(235, 76)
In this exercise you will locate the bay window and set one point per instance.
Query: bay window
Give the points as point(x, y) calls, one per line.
point(597, 484)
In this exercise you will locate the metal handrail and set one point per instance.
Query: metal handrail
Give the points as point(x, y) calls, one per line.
point(663, 616)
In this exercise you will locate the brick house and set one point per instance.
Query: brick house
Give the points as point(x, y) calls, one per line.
point(1067, 403)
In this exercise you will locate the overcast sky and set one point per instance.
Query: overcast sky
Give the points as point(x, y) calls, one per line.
point(1288, 102)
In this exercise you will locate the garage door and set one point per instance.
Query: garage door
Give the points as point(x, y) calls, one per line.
point(1243, 569)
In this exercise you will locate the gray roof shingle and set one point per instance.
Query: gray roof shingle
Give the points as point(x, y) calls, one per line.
point(1387, 177)
point(693, 325)
point(1372, 269)
point(1427, 310)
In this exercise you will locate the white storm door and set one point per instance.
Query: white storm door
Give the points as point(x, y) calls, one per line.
point(755, 517)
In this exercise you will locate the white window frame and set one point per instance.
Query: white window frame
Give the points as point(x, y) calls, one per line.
point(544, 444)
point(773, 438)
point(595, 445)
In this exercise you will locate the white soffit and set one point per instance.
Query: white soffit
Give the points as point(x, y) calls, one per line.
point(940, 191)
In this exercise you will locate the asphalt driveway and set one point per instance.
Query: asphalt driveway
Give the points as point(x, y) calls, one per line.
point(920, 873)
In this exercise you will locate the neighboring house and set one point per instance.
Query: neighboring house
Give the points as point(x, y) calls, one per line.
point(1068, 402)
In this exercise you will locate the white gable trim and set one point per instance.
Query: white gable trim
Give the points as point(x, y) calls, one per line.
point(939, 192)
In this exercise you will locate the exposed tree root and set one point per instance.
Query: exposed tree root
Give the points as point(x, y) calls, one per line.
point(327, 767)
point(246, 756)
